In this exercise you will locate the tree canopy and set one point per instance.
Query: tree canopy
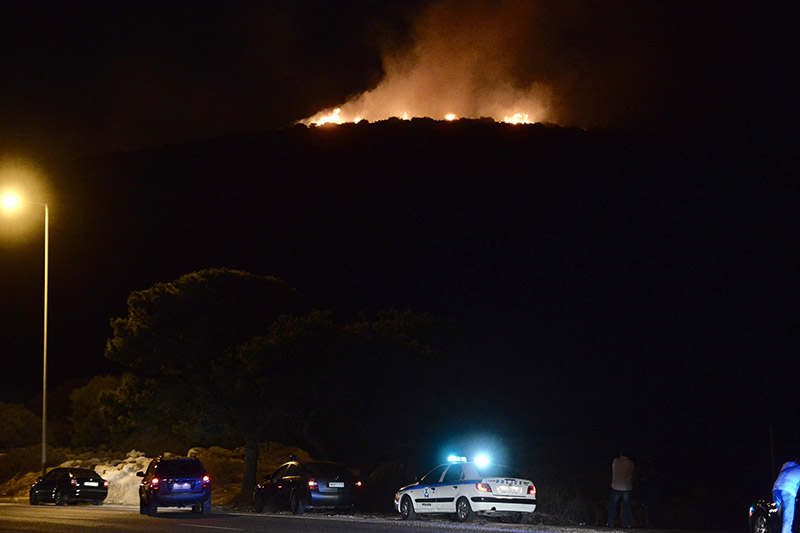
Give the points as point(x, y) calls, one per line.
point(224, 354)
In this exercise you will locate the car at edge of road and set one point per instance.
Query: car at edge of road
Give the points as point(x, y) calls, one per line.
point(299, 485)
point(765, 516)
point(463, 489)
point(174, 482)
point(69, 485)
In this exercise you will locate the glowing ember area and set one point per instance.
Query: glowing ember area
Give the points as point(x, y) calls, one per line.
point(462, 64)
point(331, 118)
point(517, 118)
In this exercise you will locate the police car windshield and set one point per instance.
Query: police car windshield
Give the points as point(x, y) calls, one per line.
point(492, 470)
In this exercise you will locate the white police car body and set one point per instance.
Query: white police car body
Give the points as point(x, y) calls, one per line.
point(466, 488)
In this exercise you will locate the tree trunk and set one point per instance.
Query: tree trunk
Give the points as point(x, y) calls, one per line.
point(250, 466)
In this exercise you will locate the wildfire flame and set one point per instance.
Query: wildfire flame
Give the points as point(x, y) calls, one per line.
point(335, 116)
point(329, 118)
point(517, 118)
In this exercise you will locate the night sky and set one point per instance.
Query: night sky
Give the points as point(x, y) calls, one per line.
point(626, 275)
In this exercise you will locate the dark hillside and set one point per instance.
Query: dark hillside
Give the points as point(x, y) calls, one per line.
point(607, 290)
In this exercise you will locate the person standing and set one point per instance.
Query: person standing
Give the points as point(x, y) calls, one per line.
point(785, 492)
point(622, 471)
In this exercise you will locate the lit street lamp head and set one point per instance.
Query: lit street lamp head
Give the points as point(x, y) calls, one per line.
point(10, 201)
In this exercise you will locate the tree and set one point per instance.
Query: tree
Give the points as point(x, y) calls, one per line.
point(176, 339)
point(223, 353)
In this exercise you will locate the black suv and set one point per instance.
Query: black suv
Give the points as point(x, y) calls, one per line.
point(174, 483)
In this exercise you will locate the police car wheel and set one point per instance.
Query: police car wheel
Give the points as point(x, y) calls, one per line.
point(464, 512)
point(407, 509)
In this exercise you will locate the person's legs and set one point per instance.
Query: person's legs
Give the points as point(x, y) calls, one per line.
point(626, 507)
point(788, 512)
point(612, 507)
point(786, 502)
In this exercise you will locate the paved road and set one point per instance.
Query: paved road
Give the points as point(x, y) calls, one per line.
point(21, 517)
point(17, 517)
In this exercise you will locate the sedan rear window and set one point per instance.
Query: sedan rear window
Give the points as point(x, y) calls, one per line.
point(84, 472)
point(326, 470)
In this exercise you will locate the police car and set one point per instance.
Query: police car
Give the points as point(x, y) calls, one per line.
point(464, 488)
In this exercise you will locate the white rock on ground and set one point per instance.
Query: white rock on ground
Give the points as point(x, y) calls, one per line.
point(123, 484)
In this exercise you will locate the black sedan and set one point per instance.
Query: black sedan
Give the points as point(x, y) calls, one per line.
point(69, 485)
point(302, 485)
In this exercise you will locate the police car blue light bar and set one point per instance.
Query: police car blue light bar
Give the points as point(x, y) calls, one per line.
point(482, 459)
point(456, 459)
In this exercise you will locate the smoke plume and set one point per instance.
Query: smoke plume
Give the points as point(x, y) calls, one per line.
point(463, 62)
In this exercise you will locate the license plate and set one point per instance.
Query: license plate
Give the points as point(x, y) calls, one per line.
point(177, 487)
point(90, 484)
point(505, 489)
point(336, 484)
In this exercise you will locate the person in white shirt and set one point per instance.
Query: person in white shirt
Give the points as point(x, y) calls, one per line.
point(622, 471)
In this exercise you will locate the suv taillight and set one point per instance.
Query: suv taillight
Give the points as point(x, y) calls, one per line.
point(73, 481)
point(206, 481)
point(312, 484)
point(105, 483)
point(532, 489)
point(154, 483)
point(358, 483)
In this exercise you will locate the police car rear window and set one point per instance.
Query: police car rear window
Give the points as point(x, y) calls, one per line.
point(496, 471)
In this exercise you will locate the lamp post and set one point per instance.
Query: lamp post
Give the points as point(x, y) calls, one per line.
point(11, 202)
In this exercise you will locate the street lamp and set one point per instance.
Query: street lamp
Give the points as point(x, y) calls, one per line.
point(11, 202)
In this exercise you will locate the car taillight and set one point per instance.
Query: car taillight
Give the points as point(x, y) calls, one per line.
point(358, 483)
point(206, 481)
point(532, 489)
point(154, 483)
point(73, 482)
point(105, 483)
point(312, 484)
point(483, 487)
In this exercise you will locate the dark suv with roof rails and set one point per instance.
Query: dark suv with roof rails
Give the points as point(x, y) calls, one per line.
point(180, 482)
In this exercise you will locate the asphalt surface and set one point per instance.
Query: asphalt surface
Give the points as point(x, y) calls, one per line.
point(16, 517)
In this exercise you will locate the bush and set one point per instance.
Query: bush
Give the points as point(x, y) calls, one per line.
point(18, 426)
point(29, 459)
point(382, 484)
point(88, 426)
